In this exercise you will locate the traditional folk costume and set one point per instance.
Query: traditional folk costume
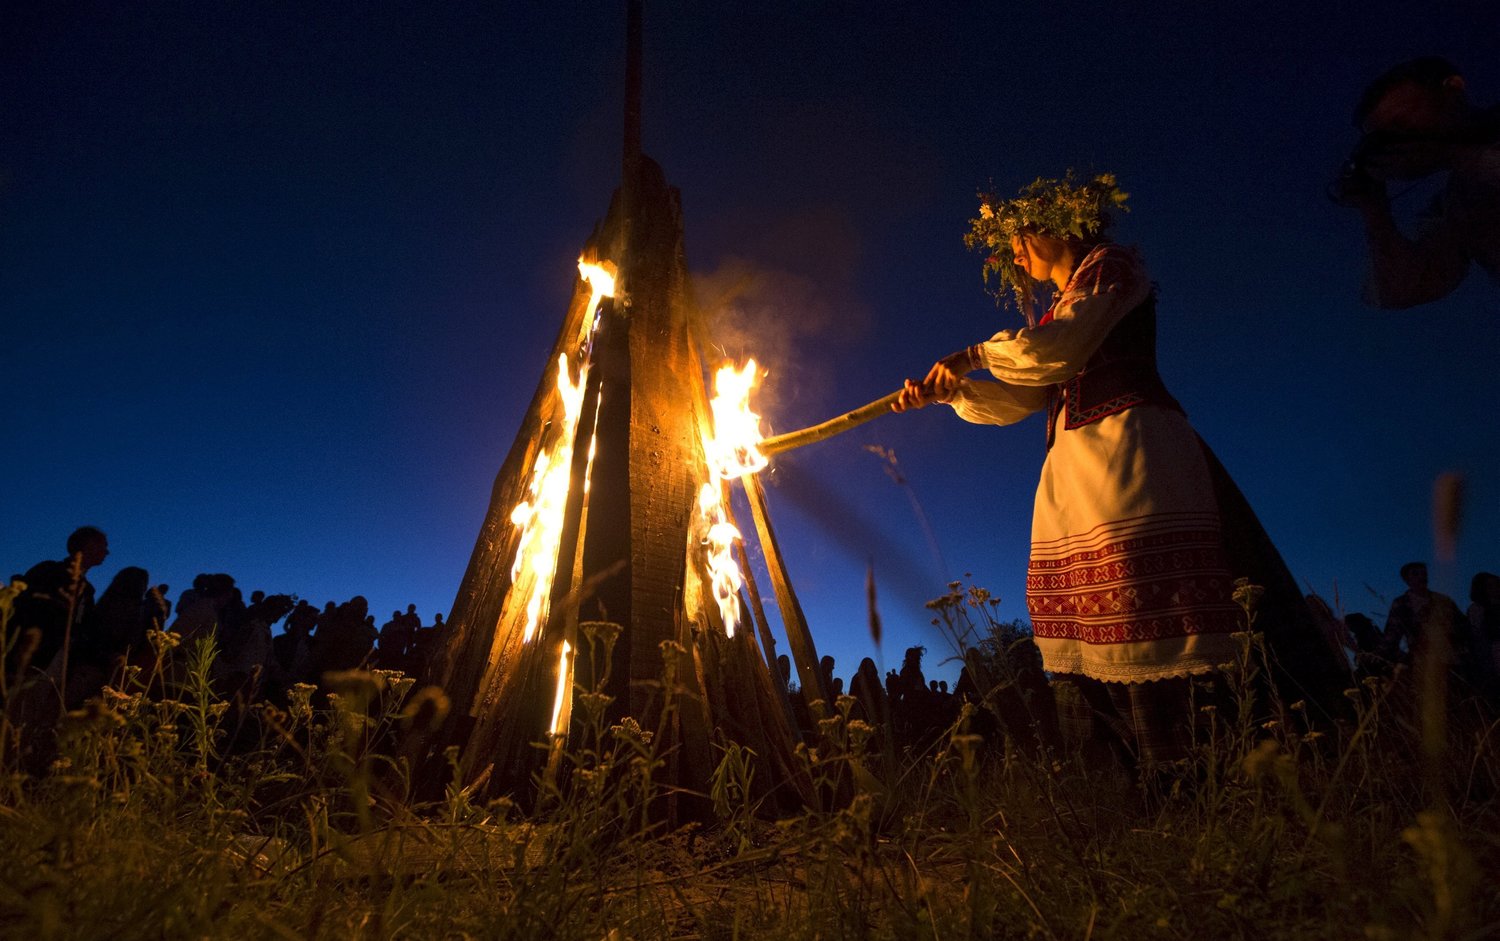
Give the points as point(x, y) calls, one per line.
point(1130, 584)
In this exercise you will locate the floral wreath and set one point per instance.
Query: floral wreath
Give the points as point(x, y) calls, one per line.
point(1062, 208)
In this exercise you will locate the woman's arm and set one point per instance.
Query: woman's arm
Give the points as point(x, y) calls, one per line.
point(1110, 283)
point(996, 403)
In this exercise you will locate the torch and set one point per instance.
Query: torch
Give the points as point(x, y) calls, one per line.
point(833, 426)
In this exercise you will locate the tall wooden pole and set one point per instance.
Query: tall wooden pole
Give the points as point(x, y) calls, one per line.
point(631, 162)
point(804, 652)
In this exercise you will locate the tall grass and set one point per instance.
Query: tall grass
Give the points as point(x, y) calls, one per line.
point(152, 822)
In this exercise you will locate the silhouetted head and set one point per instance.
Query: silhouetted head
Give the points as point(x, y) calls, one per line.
point(130, 582)
point(1411, 117)
point(411, 609)
point(1484, 589)
point(90, 543)
point(1366, 637)
point(257, 596)
point(1415, 575)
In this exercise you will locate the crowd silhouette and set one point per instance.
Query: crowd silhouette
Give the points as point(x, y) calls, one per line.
point(62, 639)
point(59, 634)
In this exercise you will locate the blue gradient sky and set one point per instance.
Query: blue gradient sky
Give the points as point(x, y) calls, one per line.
point(279, 279)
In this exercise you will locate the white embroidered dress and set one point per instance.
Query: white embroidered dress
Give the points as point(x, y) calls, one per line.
point(1127, 580)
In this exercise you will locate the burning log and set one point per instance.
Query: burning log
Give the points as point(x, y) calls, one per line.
point(611, 510)
point(612, 506)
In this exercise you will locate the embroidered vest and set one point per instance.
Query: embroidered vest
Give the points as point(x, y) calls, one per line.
point(1120, 375)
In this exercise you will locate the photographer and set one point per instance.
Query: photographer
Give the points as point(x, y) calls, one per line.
point(1417, 121)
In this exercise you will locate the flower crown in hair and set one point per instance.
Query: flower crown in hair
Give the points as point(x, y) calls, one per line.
point(1061, 208)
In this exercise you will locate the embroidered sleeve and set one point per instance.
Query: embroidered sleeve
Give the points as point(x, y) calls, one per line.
point(1108, 284)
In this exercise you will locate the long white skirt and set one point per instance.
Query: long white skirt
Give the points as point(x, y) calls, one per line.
point(1128, 580)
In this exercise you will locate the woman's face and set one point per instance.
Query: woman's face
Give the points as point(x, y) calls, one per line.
point(1020, 245)
point(1036, 254)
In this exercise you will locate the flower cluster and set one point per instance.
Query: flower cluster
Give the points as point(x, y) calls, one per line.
point(1062, 208)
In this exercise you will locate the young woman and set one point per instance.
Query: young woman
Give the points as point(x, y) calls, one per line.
point(1129, 586)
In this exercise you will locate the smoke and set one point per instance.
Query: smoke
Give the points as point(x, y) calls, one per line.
point(789, 298)
point(902, 568)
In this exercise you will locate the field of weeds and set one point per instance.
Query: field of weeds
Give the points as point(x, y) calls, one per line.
point(157, 816)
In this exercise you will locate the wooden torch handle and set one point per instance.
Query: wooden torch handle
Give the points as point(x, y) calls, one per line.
point(796, 439)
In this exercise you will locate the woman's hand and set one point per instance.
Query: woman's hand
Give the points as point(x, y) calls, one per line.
point(947, 373)
point(914, 396)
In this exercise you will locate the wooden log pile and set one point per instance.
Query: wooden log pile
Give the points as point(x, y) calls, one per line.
point(628, 554)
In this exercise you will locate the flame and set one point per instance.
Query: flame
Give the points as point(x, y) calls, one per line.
point(732, 451)
point(601, 278)
point(540, 515)
point(723, 572)
point(564, 680)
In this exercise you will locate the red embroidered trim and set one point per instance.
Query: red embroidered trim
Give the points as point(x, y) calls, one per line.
point(1134, 589)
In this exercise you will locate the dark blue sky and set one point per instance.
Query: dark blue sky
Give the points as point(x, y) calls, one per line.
point(279, 279)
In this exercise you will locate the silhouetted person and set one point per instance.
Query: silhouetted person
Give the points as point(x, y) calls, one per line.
point(293, 647)
point(1365, 634)
point(119, 621)
point(55, 590)
point(869, 695)
point(913, 683)
point(1417, 121)
point(212, 606)
point(424, 657)
point(1413, 610)
point(1484, 622)
point(246, 652)
point(396, 637)
point(128, 609)
point(825, 673)
point(344, 639)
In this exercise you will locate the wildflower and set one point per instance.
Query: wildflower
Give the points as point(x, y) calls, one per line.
point(1247, 596)
point(605, 632)
point(10, 593)
point(630, 730)
point(592, 705)
point(162, 641)
point(860, 732)
point(358, 685)
point(299, 700)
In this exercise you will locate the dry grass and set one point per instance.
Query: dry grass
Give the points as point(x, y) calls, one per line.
point(146, 825)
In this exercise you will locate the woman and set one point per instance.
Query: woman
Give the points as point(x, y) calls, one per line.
point(1129, 586)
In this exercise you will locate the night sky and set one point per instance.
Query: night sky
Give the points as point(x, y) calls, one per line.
point(278, 280)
